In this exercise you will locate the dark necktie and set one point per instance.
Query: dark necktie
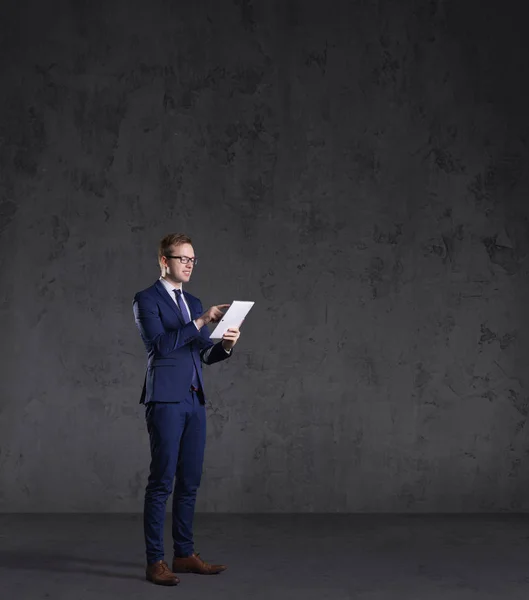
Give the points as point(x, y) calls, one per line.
point(187, 319)
point(182, 306)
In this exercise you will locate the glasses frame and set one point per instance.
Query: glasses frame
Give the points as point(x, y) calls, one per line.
point(184, 260)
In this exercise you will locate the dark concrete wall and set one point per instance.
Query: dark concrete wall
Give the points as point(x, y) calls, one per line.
point(359, 169)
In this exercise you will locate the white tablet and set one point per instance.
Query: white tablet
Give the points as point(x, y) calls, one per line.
point(233, 317)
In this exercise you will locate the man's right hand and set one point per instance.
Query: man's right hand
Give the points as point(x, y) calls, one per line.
point(212, 315)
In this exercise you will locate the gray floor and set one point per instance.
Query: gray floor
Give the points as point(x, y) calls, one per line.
point(78, 557)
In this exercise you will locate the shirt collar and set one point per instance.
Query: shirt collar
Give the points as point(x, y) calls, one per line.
point(170, 287)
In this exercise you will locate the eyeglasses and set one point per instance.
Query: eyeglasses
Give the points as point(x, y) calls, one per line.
point(184, 259)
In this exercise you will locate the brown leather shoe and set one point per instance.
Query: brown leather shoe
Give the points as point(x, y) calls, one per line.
point(194, 564)
point(160, 574)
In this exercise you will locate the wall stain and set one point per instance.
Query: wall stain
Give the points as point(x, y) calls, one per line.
point(502, 256)
point(385, 237)
point(217, 419)
point(500, 176)
point(422, 378)
point(520, 404)
point(445, 161)
point(487, 337)
point(318, 58)
point(383, 278)
point(247, 13)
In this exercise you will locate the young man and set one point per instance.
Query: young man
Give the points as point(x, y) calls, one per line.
point(173, 327)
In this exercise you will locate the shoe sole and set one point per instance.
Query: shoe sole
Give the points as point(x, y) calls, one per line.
point(168, 583)
point(198, 572)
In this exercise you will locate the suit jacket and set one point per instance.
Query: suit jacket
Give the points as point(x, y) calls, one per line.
point(174, 348)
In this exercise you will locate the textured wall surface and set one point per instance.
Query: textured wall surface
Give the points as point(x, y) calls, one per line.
point(358, 168)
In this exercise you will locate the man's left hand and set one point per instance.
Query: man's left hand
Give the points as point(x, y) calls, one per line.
point(229, 339)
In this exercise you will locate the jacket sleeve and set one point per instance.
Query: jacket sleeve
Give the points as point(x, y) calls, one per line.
point(153, 331)
point(211, 353)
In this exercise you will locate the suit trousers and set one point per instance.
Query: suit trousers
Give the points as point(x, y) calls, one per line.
point(177, 434)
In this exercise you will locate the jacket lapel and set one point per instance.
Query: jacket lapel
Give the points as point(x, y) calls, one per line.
point(168, 300)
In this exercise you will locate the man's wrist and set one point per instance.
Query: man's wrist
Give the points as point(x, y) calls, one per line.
point(200, 322)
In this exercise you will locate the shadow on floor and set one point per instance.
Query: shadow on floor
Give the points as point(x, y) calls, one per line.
point(43, 561)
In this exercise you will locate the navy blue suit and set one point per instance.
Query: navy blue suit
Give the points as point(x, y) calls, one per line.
point(175, 413)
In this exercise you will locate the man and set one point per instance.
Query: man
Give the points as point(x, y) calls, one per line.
point(173, 328)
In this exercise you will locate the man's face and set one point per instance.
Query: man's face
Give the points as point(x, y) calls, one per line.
point(174, 268)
